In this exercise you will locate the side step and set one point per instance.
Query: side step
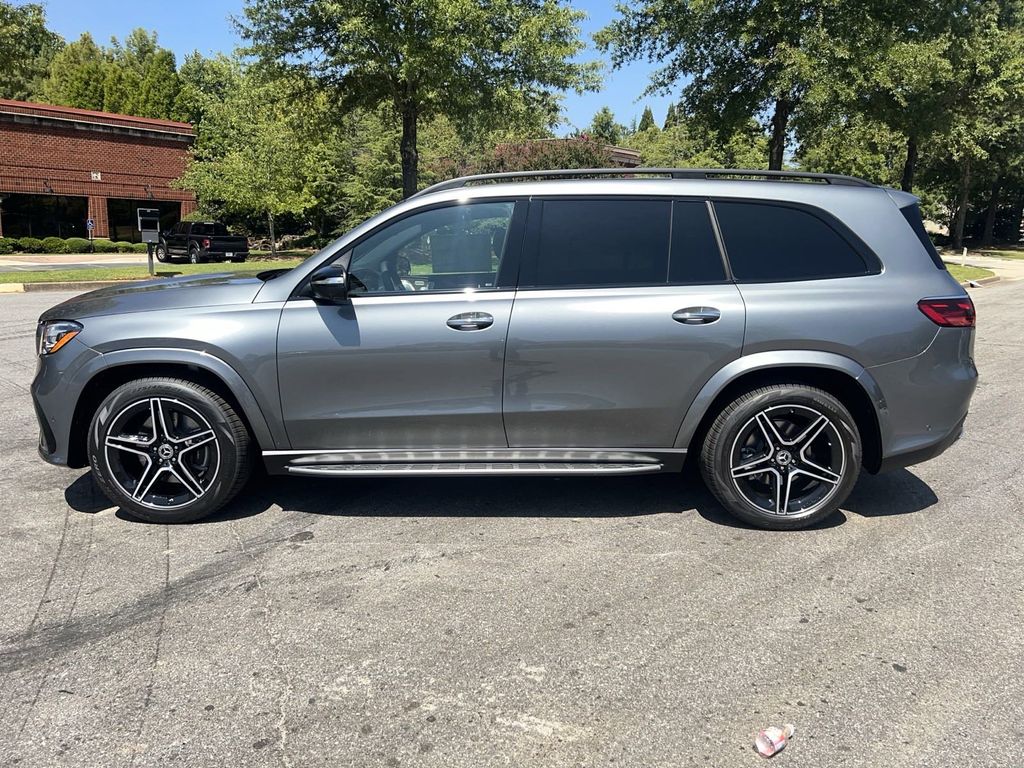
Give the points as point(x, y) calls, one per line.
point(475, 468)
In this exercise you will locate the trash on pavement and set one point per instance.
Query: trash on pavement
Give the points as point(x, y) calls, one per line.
point(773, 739)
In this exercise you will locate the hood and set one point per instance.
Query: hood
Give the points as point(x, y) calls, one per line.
point(174, 293)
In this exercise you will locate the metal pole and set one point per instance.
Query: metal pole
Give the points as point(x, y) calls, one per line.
point(149, 254)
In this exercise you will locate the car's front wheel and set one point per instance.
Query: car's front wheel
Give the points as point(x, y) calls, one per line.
point(161, 253)
point(168, 450)
point(783, 456)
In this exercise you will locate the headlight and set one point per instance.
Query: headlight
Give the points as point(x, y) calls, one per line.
point(53, 335)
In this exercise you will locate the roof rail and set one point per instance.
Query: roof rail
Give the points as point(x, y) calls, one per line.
point(673, 173)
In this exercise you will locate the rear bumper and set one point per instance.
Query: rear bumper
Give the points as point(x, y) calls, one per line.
point(925, 399)
point(920, 455)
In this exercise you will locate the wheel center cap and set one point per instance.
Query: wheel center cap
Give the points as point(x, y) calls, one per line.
point(783, 458)
point(165, 451)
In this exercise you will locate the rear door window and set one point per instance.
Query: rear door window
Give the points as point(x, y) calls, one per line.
point(767, 242)
point(600, 242)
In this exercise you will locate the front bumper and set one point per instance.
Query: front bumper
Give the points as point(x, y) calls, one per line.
point(56, 391)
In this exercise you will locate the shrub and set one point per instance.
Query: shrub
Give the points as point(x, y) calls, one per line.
point(8, 245)
point(54, 245)
point(123, 246)
point(139, 248)
point(31, 245)
point(104, 246)
point(76, 245)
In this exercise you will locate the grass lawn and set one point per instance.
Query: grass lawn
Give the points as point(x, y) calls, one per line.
point(140, 273)
point(968, 273)
point(1004, 253)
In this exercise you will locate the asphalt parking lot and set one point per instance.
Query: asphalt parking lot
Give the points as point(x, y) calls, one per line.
point(519, 622)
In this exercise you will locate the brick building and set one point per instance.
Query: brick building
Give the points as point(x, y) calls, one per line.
point(61, 166)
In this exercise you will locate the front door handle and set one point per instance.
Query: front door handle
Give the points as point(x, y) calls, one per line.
point(470, 321)
point(696, 315)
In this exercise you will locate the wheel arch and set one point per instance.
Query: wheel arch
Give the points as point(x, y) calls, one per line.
point(113, 375)
point(841, 377)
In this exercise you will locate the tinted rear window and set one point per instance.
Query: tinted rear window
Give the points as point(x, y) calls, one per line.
point(767, 242)
point(601, 242)
point(913, 216)
point(215, 230)
point(695, 254)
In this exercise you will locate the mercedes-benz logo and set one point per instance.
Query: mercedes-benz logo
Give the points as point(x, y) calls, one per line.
point(165, 451)
point(783, 458)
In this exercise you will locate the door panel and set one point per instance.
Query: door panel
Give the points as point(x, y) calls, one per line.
point(610, 367)
point(389, 372)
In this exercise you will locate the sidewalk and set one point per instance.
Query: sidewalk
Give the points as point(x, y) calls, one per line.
point(33, 262)
point(1005, 269)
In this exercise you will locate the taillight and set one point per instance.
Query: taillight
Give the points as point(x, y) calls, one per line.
point(206, 243)
point(949, 313)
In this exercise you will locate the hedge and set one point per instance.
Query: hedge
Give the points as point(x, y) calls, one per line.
point(31, 245)
point(8, 245)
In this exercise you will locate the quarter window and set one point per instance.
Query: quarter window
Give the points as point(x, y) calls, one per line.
point(778, 243)
point(440, 249)
point(601, 243)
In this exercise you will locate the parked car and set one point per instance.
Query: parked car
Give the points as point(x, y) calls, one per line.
point(781, 330)
point(200, 241)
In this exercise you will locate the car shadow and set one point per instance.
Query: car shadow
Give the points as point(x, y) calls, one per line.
point(896, 493)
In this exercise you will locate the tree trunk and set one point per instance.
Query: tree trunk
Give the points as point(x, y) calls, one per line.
point(1013, 233)
point(410, 157)
point(990, 212)
point(961, 208)
point(909, 166)
point(779, 134)
point(273, 240)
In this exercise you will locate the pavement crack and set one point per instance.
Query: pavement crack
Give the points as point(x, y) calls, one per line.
point(283, 680)
point(148, 698)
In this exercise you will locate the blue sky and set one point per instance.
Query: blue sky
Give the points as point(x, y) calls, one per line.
point(204, 25)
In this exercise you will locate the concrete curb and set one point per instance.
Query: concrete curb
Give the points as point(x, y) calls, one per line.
point(81, 285)
point(982, 281)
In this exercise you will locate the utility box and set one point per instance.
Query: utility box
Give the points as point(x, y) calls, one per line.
point(149, 224)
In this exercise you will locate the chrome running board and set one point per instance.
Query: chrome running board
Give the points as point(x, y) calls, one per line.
point(476, 461)
point(474, 468)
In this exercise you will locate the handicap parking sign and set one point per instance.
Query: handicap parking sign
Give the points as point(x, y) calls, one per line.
point(90, 224)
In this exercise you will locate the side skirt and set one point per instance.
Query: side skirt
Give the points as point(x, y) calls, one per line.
point(498, 461)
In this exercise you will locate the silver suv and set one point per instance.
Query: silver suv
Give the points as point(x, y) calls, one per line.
point(783, 329)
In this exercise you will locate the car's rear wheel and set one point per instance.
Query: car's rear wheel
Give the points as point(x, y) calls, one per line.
point(193, 256)
point(168, 450)
point(783, 456)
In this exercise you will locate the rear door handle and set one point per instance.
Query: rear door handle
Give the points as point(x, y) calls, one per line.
point(470, 321)
point(696, 315)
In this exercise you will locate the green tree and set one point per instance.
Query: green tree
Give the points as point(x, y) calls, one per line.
point(743, 59)
point(647, 120)
point(670, 116)
point(248, 158)
point(605, 128)
point(457, 58)
point(204, 82)
point(26, 49)
point(137, 77)
point(76, 75)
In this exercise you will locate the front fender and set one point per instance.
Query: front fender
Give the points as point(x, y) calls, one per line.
point(267, 432)
point(781, 359)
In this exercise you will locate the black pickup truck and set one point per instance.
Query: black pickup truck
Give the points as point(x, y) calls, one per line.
point(200, 241)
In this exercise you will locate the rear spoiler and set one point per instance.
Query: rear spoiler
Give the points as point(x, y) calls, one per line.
point(901, 198)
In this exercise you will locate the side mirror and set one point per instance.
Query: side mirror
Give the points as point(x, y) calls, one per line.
point(330, 284)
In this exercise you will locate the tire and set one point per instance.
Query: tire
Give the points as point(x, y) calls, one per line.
point(161, 253)
point(193, 256)
point(770, 450)
point(193, 463)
